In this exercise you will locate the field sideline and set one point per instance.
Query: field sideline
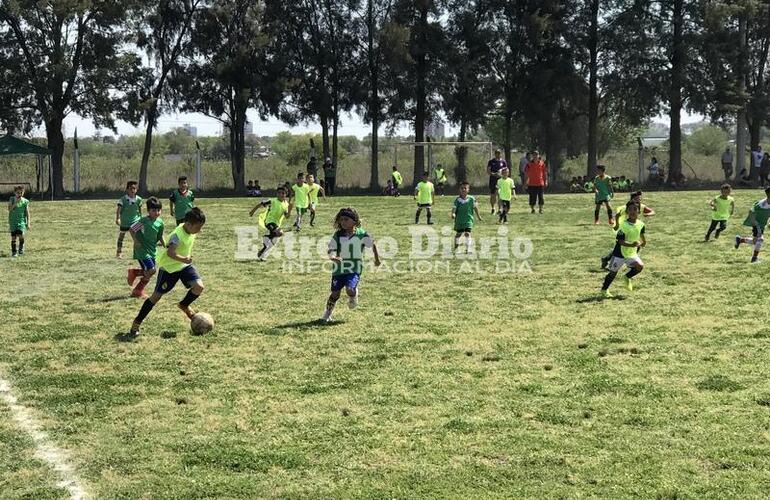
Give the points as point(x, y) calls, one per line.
point(521, 384)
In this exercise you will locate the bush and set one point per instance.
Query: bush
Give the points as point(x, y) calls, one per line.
point(707, 141)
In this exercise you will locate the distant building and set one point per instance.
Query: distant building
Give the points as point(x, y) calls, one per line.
point(434, 129)
point(248, 129)
point(193, 131)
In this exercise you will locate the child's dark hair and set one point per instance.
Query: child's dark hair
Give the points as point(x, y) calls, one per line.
point(153, 203)
point(425, 174)
point(18, 188)
point(726, 186)
point(465, 183)
point(282, 187)
point(300, 175)
point(349, 212)
point(195, 216)
point(767, 191)
point(636, 193)
point(131, 183)
point(395, 167)
point(181, 178)
point(601, 168)
point(632, 204)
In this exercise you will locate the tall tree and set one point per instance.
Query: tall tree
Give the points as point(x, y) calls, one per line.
point(163, 31)
point(66, 56)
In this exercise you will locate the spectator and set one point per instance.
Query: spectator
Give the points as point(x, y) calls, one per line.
point(494, 166)
point(312, 167)
point(756, 164)
point(257, 188)
point(764, 169)
point(523, 164)
point(535, 181)
point(727, 163)
point(330, 173)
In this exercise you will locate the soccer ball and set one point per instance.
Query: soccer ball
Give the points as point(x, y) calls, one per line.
point(201, 323)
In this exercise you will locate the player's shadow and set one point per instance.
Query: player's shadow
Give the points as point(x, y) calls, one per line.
point(597, 271)
point(599, 298)
point(112, 298)
point(124, 337)
point(301, 325)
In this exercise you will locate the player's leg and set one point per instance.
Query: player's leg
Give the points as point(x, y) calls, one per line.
point(610, 213)
point(712, 226)
point(758, 240)
point(429, 213)
point(417, 214)
point(164, 284)
point(312, 214)
point(147, 272)
point(614, 266)
point(351, 288)
point(540, 199)
point(493, 193)
point(458, 235)
point(636, 266)
point(194, 284)
point(532, 192)
point(338, 283)
point(722, 227)
point(597, 209)
point(14, 251)
point(121, 236)
point(268, 241)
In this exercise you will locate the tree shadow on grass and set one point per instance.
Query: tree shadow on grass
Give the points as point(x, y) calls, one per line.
point(599, 298)
point(301, 325)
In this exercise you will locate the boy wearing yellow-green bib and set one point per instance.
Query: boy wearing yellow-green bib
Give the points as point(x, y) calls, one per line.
point(603, 193)
point(439, 178)
point(18, 219)
point(506, 191)
point(175, 264)
point(398, 179)
point(277, 209)
point(757, 219)
point(301, 199)
point(314, 190)
point(423, 193)
point(722, 208)
point(182, 200)
point(629, 239)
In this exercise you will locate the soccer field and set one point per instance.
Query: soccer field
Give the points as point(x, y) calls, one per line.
point(461, 382)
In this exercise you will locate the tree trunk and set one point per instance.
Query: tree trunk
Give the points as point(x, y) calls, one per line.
point(56, 145)
point(151, 117)
point(374, 168)
point(508, 134)
point(675, 95)
point(335, 126)
point(461, 152)
point(238, 145)
point(755, 132)
point(740, 129)
point(374, 101)
point(593, 98)
point(325, 135)
point(421, 64)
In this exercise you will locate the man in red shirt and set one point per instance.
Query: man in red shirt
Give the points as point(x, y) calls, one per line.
point(536, 180)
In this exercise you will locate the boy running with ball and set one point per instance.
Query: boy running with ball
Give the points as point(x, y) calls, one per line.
point(722, 208)
point(630, 238)
point(175, 263)
point(463, 210)
point(757, 219)
point(147, 233)
point(18, 219)
point(277, 209)
point(128, 212)
point(346, 251)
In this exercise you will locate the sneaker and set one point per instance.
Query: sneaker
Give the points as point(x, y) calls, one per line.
point(119, 255)
point(21, 252)
point(492, 212)
point(187, 310)
point(755, 260)
point(596, 222)
point(607, 294)
point(131, 277)
point(430, 223)
point(533, 211)
point(327, 316)
point(353, 301)
point(14, 255)
point(629, 284)
point(737, 241)
point(541, 210)
point(134, 331)
point(605, 261)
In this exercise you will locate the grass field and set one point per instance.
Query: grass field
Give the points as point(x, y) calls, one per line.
point(444, 385)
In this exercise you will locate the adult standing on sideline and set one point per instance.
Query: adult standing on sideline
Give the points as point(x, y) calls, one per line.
point(330, 173)
point(494, 166)
point(727, 163)
point(523, 164)
point(535, 181)
point(756, 156)
point(312, 167)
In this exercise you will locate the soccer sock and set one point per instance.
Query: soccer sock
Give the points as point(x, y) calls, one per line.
point(21, 244)
point(633, 272)
point(417, 216)
point(142, 283)
point(121, 235)
point(457, 242)
point(188, 299)
point(331, 302)
point(609, 212)
point(13, 246)
point(299, 218)
point(596, 212)
point(312, 217)
point(429, 214)
point(608, 280)
point(144, 311)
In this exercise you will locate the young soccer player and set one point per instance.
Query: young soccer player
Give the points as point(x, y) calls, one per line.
point(397, 180)
point(277, 209)
point(463, 210)
point(505, 192)
point(620, 216)
point(301, 199)
point(602, 194)
point(439, 178)
point(128, 212)
point(630, 238)
point(182, 200)
point(757, 219)
point(423, 193)
point(314, 190)
point(175, 264)
point(147, 232)
point(722, 208)
point(346, 250)
point(18, 219)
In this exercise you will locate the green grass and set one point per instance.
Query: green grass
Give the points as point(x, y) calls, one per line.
point(459, 385)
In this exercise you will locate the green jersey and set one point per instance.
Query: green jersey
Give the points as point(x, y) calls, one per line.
point(314, 190)
point(425, 193)
point(630, 232)
point(276, 211)
point(350, 249)
point(505, 188)
point(148, 233)
point(183, 202)
point(464, 210)
point(130, 210)
point(17, 217)
point(603, 186)
point(722, 208)
point(397, 179)
point(301, 199)
point(761, 211)
point(184, 243)
point(439, 175)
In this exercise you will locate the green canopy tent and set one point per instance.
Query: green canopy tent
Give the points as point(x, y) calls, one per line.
point(10, 145)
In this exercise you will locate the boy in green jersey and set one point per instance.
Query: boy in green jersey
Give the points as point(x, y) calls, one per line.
point(463, 210)
point(397, 180)
point(630, 238)
point(128, 212)
point(147, 233)
point(505, 192)
point(182, 200)
point(423, 193)
point(314, 190)
point(722, 208)
point(346, 251)
point(277, 209)
point(175, 264)
point(602, 194)
point(439, 178)
point(301, 199)
point(18, 219)
point(757, 219)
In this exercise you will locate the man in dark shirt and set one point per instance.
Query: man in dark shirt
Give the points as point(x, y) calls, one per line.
point(494, 166)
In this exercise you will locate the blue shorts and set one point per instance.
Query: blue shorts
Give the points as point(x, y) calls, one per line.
point(349, 281)
point(166, 280)
point(146, 264)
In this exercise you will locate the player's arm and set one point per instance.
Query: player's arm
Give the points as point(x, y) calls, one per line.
point(287, 213)
point(513, 191)
point(26, 216)
point(260, 204)
point(415, 193)
point(377, 261)
point(489, 168)
point(117, 215)
point(322, 191)
point(611, 189)
point(596, 188)
point(476, 210)
point(732, 208)
point(171, 252)
point(643, 239)
point(648, 212)
point(134, 231)
point(454, 211)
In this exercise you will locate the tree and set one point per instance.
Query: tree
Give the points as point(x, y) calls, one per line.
point(234, 67)
point(163, 32)
point(65, 57)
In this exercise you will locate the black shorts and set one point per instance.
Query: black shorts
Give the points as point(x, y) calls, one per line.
point(493, 184)
point(464, 230)
point(272, 228)
point(535, 194)
point(505, 204)
point(17, 232)
point(166, 280)
point(423, 205)
point(754, 231)
point(125, 229)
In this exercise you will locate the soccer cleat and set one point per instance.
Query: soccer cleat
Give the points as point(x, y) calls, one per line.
point(327, 316)
point(755, 260)
point(21, 252)
point(607, 294)
point(629, 283)
point(187, 310)
point(493, 212)
point(134, 331)
point(716, 235)
point(14, 255)
point(119, 255)
point(737, 241)
point(605, 261)
point(131, 277)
